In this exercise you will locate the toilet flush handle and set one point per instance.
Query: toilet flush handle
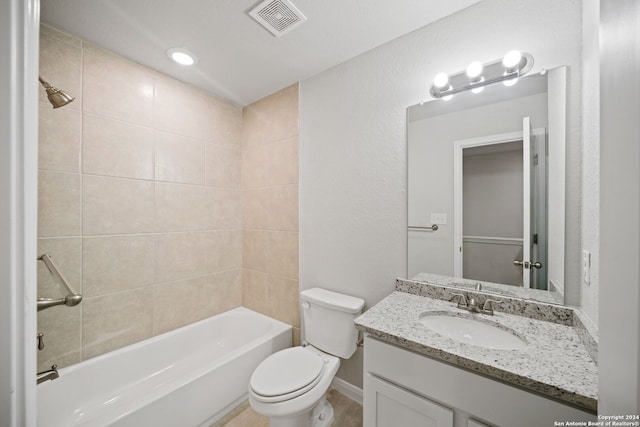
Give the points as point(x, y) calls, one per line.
point(306, 305)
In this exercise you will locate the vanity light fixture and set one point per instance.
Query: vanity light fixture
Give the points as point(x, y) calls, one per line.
point(477, 75)
point(182, 56)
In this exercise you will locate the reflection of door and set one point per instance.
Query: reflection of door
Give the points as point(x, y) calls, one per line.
point(494, 208)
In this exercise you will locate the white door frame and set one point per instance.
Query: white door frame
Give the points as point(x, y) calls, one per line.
point(458, 147)
point(19, 33)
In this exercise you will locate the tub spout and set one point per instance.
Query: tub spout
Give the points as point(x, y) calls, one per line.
point(50, 374)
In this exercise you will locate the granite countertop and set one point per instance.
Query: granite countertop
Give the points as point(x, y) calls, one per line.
point(555, 362)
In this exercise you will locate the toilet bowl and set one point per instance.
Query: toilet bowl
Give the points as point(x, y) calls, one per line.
point(290, 386)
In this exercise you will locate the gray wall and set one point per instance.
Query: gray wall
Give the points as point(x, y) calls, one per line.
point(353, 140)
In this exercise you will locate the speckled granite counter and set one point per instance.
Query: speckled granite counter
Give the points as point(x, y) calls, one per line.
point(555, 363)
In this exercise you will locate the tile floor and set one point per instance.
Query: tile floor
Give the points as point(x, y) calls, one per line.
point(347, 414)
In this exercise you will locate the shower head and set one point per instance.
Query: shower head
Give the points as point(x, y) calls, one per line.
point(57, 97)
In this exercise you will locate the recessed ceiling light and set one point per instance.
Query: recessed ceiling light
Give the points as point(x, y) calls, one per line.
point(182, 56)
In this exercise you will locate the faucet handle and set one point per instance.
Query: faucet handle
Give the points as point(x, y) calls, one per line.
point(463, 299)
point(487, 307)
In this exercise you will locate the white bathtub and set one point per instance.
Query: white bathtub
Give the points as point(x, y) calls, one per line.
point(191, 376)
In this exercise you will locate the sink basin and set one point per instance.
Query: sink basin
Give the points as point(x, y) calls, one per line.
point(482, 333)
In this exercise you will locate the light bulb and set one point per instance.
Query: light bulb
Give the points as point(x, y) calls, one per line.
point(441, 80)
point(181, 56)
point(510, 82)
point(512, 59)
point(478, 89)
point(448, 97)
point(474, 70)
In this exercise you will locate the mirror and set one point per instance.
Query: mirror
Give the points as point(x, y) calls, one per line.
point(486, 183)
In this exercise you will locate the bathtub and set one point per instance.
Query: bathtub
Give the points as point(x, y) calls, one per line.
point(191, 376)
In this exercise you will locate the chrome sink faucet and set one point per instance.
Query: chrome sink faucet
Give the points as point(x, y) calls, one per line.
point(472, 305)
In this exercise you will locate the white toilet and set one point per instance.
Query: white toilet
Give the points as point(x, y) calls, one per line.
point(290, 386)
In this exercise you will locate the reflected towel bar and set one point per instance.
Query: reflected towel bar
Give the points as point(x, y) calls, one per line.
point(434, 227)
point(70, 300)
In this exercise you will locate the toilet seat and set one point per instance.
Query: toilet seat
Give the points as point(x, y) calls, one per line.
point(286, 374)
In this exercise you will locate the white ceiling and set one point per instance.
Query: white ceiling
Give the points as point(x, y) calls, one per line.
point(237, 58)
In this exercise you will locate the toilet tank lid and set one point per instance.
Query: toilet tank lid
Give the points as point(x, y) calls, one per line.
point(333, 300)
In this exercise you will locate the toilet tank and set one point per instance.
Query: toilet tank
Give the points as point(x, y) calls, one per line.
point(328, 321)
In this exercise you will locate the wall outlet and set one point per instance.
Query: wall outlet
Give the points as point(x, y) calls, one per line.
point(586, 267)
point(439, 218)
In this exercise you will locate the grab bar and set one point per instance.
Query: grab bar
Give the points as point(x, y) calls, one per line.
point(70, 300)
point(434, 227)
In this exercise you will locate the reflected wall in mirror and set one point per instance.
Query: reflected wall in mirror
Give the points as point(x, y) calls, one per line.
point(489, 170)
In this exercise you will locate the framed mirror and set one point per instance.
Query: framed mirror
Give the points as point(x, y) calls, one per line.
point(486, 188)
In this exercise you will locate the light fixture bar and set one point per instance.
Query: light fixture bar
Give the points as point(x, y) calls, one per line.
point(492, 72)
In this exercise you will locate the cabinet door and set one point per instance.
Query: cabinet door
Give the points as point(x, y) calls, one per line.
point(387, 405)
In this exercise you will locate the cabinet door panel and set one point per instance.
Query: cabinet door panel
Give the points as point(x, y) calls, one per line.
point(389, 406)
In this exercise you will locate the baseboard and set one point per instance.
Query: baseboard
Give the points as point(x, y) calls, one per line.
point(352, 392)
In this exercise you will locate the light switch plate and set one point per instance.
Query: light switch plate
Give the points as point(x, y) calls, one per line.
point(439, 218)
point(586, 267)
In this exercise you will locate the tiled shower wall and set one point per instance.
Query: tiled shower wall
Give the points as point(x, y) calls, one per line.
point(270, 207)
point(140, 203)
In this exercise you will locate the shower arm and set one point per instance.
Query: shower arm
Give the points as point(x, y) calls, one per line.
point(70, 300)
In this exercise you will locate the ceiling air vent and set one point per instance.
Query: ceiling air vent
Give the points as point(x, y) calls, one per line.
point(277, 16)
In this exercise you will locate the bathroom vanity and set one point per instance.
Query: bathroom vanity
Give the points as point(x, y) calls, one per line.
point(542, 371)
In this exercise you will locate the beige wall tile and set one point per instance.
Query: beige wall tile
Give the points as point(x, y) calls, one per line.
point(59, 136)
point(283, 300)
point(48, 31)
point(282, 162)
point(255, 291)
point(225, 123)
point(179, 256)
point(178, 304)
point(271, 118)
point(118, 263)
point(223, 291)
point(254, 209)
point(284, 113)
point(180, 207)
point(282, 254)
point(254, 249)
point(116, 206)
point(224, 209)
point(116, 320)
point(181, 109)
point(116, 148)
point(66, 253)
point(223, 251)
point(61, 66)
point(179, 159)
point(255, 167)
point(117, 88)
point(223, 166)
point(59, 204)
point(61, 327)
point(282, 208)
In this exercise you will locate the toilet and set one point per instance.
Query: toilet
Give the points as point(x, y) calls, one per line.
point(290, 386)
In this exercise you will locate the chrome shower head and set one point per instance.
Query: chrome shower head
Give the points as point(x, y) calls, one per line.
point(57, 97)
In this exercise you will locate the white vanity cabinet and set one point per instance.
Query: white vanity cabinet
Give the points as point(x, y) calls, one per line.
point(406, 389)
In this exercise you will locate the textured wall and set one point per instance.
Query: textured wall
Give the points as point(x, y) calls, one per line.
point(139, 201)
point(270, 207)
point(353, 141)
point(591, 155)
